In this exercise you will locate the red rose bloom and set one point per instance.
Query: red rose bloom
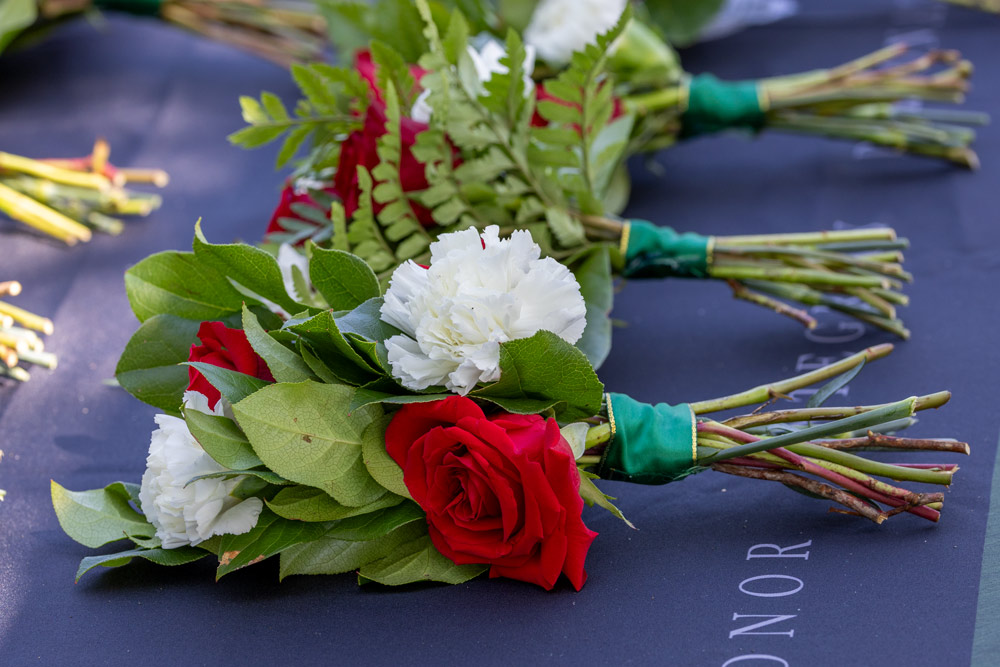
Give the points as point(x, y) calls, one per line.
point(360, 148)
point(502, 490)
point(226, 348)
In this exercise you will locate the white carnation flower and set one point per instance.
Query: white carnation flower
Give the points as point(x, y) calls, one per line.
point(479, 291)
point(558, 28)
point(193, 513)
point(487, 63)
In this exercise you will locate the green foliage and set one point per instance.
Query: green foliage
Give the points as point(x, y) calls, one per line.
point(585, 102)
point(251, 270)
point(681, 21)
point(270, 536)
point(329, 96)
point(594, 496)
point(304, 433)
point(148, 368)
point(307, 503)
point(593, 273)
point(233, 385)
point(178, 556)
point(222, 439)
point(545, 372)
point(15, 16)
point(180, 284)
point(380, 465)
point(284, 364)
point(344, 280)
point(333, 555)
point(417, 560)
point(95, 518)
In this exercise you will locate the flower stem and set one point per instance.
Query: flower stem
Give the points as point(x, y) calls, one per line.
point(766, 392)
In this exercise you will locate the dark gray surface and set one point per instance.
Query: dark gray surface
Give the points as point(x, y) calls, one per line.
point(902, 593)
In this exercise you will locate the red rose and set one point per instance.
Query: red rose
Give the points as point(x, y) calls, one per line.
point(226, 348)
point(502, 490)
point(360, 148)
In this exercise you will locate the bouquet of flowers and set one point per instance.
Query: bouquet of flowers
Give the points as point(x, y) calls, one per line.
point(854, 101)
point(19, 341)
point(445, 428)
point(393, 164)
point(283, 31)
point(68, 198)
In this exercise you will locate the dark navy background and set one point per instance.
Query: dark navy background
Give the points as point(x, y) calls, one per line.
point(902, 593)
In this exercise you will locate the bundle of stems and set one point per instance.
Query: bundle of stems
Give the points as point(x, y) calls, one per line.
point(857, 272)
point(19, 340)
point(68, 198)
point(856, 101)
point(282, 31)
point(785, 445)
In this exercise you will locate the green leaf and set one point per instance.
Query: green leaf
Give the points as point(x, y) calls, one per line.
point(681, 21)
point(178, 556)
point(380, 465)
point(594, 496)
point(252, 268)
point(327, 341)
point(265, 476)
point(94, 518)
point(567, 229)
point(285, 365)
point(270, 536)
point(344, 280)
point(328, 555)
point(235, 386)
point(222, 439)
point(306, 503)
point(833, 386)
point(372, 525)
point(15, 16)
point(545, 368)
point(305, 433)
point(594, 276)
point(148, 368)
point(180, 284)
point(418, 560)
point(366, 396)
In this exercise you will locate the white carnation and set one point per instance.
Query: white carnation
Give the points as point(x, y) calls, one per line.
point(193, 513)
point(558, 28)
point(487, 63)
point(479, 291)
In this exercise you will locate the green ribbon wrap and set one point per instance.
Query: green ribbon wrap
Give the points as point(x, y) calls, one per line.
point(650, 444)
point(660, 252)
point(715, 105)
point(135, 7)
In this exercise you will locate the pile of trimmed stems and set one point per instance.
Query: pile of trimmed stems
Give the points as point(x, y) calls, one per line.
point(68, 198)
point(785, 445)
point(19, 339)
point(857, 101)
point(282, 31)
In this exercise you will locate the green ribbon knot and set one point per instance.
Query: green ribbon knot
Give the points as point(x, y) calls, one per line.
point(135, 7)
point(660, 252)
point(715, 105)
point(650, 444)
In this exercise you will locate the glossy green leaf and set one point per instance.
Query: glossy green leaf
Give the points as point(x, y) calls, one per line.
point(97, 517)
point(178, 556)
point(306, 503)
point(180, 284)
point(343, 279)
point(270, 536)
point(148, 368)
point(222, 439)
point(284, 364)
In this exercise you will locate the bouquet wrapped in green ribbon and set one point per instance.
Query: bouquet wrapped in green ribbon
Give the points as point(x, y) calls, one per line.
point(858, 101)
point(439, 429)
point(390, 165)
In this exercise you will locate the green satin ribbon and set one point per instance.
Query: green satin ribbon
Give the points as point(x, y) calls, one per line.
point(136, 7)
point(650, 444)
point(715, 105)
point(660, 252)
